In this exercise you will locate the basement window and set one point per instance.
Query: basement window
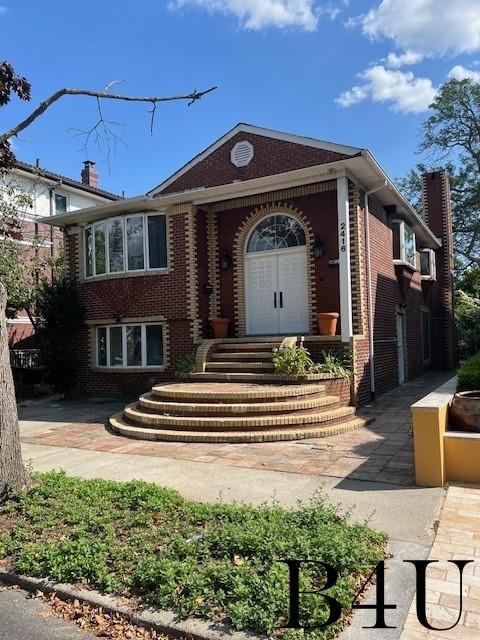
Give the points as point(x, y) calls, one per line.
point(428, 268)
point(130, 243)
point(129, 346)
point(404, 244)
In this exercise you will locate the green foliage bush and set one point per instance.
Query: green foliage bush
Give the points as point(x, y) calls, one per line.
point(220, 562)
point(298, 361)
point(467, 317)
point(186, 364)
point(469, 375)
point(60, 319)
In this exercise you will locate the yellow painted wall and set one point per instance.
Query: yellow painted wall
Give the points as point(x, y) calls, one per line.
point(462, 458)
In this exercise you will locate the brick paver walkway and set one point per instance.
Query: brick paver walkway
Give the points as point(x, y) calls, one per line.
point(458, 538)
point(381, 452)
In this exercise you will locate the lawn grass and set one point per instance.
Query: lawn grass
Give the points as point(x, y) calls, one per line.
point(219, 562)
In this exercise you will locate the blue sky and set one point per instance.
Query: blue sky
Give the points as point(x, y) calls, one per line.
point(314, 68)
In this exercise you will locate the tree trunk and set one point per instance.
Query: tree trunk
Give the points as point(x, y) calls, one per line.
point(13, 476)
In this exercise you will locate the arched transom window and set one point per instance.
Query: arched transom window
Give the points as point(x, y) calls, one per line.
point(276, 232)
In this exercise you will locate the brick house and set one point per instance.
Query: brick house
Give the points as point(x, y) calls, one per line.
point(50, 194)
point(266, 229)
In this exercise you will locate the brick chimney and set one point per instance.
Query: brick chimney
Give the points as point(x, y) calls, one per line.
point(437, 212)
point(89, 174)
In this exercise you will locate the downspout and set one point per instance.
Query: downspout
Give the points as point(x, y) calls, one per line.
point(371, 343)
point(52, 212)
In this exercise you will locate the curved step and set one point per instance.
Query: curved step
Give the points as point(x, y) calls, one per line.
point(135, 416)
point(148, 403)
point(212, 376)
point(118, 424)
point(255, 367)
point(242, 355)
point(231, 392)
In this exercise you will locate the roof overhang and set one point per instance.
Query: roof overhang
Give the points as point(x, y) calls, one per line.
point(362, 169)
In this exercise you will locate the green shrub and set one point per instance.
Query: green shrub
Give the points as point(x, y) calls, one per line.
point(469, 375)
point(298, 361)
point(185, 365)
point(220, 561)
point(338, 363)
point(292, 361)
point(467, 318)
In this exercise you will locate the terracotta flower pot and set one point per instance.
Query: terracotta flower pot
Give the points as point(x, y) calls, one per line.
point(465, 411)
point(327, 323)
point(220, 327)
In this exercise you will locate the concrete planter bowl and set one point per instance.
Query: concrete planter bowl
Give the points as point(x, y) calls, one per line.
point(465, 411)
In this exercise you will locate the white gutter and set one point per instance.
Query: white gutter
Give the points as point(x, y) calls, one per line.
point(413, 218)
point(371, 343)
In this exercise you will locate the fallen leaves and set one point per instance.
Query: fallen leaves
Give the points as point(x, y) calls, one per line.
point(96, 620)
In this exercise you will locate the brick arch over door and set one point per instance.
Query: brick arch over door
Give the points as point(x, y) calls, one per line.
point(243, 233)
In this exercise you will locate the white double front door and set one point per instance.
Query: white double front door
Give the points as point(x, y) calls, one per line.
point(276, 294)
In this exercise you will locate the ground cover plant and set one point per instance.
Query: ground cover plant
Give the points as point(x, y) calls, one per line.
point(220, 562)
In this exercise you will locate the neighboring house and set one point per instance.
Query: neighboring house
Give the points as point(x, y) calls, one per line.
point(51, 194)
point(266, 229)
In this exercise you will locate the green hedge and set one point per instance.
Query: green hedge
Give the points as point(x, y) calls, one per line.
point(469, 375)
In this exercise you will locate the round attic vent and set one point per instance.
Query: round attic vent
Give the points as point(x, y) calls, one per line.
point(242, 153)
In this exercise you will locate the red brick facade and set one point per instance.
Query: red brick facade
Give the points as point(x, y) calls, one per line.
point(271, 157)
point(198, 236)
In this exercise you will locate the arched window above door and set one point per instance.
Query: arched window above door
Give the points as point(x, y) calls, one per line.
point(276, 232)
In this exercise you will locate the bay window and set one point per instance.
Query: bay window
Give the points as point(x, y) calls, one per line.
point(130, 345)
point(404, 244)
point(130, 243)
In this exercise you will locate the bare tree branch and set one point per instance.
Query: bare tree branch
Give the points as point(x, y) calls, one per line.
point(99, 95)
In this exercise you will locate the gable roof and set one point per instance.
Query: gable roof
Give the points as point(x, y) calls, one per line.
point(69, 182)
point(337, 151)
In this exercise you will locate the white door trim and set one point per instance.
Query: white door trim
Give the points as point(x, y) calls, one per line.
point(276, 255)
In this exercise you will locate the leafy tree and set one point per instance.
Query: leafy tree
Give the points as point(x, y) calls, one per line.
point(451, 137)
point(467, 316)
point(59, 321)
point(12, 472)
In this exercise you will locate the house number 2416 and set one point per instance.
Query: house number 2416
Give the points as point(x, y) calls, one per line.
point(377, 577)
point(343, 245)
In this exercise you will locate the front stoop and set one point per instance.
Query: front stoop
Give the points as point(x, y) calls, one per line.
point(237, 398)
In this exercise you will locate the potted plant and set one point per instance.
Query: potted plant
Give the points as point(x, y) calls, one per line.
point(327, 323)
point(219, 327)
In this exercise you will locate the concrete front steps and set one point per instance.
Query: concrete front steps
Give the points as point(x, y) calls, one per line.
point(235, 396)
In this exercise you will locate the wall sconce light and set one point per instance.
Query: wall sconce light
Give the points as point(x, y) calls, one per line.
point(117, 316)
point(208, 289)
point(318, 248)
point(225, 260)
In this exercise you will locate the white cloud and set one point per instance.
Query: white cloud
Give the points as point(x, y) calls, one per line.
point(259, 14)
point(405, 92)
point(458, 72)
point(395, 61)
point(3, 11)
point(429, 27)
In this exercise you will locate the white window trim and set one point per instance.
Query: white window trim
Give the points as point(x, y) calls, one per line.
point(125, 367)
point(402, 260)
point(433, 265)
point(125, 271)
point(67, 198)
